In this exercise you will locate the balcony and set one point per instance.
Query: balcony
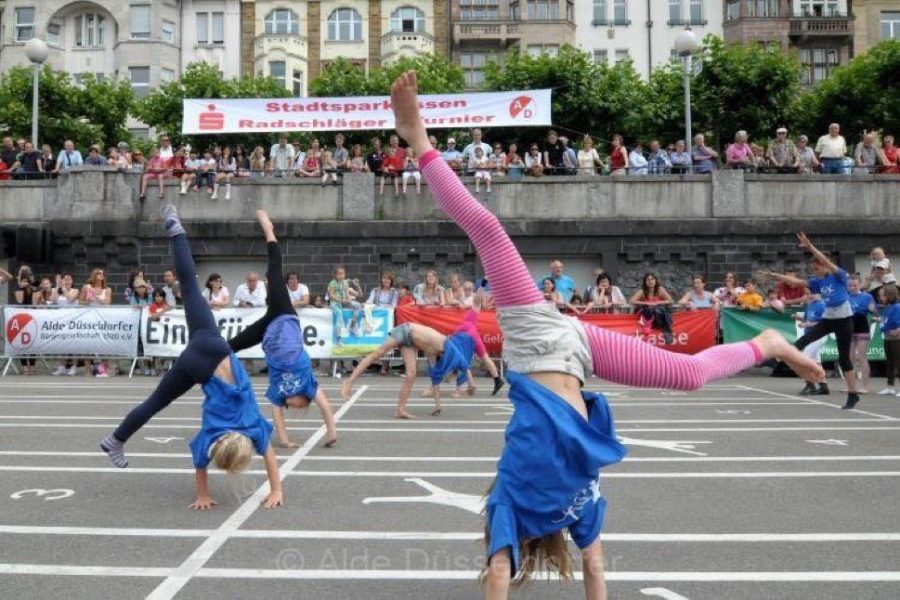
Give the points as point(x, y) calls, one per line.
point(396, 44)
point(502, 31)
point(811, 26)
point(286, 42)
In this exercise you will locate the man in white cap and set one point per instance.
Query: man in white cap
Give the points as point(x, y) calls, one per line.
point(782, 153)
point(452, 156)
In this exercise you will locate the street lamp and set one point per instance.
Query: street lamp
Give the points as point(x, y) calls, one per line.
point(685, 44)
point(37, 52)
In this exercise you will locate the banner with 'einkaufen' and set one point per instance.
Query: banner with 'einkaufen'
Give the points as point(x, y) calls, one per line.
point(261, 115)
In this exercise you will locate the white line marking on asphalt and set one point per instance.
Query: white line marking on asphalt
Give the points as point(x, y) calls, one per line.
point(729, 538)
point(473, 503)
point(663, 593)
point(815, 401)
point(195, 562)
point(47, 495)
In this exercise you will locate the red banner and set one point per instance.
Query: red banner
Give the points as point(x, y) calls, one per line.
point(694, 330)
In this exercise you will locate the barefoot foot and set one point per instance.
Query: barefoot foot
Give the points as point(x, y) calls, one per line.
point(330, 442)
point(773, 345)
point(436, 412)
point(471, 390)
point(403, 414)
point(346, 390)
point(405, 102)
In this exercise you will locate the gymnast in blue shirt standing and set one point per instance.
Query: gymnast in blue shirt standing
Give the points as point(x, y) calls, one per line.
point(232, 426)
point(291, 380)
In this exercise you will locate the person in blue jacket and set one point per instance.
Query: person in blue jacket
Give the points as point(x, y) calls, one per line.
point(232, 426)
point(291, 380)
point(808, 319)
point(862, 304)
point(890, 327)
point(832, 283)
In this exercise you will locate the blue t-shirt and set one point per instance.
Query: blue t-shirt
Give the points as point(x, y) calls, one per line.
point(290, 370)
point(861, 302)
point(548, 477)
point(890, 317)
point(458, 352)
point(833, 288)
point(229, 408)
point(813, 312)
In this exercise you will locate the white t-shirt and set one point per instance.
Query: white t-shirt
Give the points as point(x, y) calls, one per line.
point(831, 147)
point(166, 152)
point(297, 295)
point(220, 297)
point(257, 297)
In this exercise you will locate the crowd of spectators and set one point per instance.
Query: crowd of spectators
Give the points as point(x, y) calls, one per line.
point(218, 166)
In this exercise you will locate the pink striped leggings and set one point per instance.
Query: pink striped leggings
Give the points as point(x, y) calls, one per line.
point(614, 357)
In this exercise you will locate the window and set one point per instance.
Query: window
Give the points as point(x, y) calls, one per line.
point(166, 75)
point(282, 21)
point(543, 10)
point(817, 64)
point(820, 8)
point(514, 13)
point(210, 28)
point(53, 30)
point(733, 10)
point(168, 32)
point(479, 10)
point(24, 23)
point(277, 70)
point(675, 12)
point(539, 49)
point(140, 20)
point(344, 25)
point(472, 64)
point(599, 12)
point(601, 57)
point(762, 8)
point(140, 80)
point(890, 25)
point(298, 83)
point(621, 55)
point(620, 12)
point(697, 12)
point(140, 133)
point(90, 31)
point(408, 19)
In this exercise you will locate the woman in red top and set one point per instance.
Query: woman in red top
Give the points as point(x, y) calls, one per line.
point(4, 171)
point(891, 156)
point(651, 303)
point(391, 167)
point(618, 157)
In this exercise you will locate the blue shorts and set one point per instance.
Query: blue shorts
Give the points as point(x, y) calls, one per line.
point(294, 380)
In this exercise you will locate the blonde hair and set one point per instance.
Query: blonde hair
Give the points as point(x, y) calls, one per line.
point(547, 553)
point(232, 452)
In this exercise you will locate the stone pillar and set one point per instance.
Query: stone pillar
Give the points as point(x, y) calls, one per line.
point(728, 193)
point(248, 35)
point(374, 34)
point(314, 39)
point(442, 28)
point(358, 197)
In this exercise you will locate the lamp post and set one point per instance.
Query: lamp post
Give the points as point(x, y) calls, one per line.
point(37, 52)
point(685, 44)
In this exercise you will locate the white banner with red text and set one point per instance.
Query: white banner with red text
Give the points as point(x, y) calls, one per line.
point(85, 331)
point(261, 115)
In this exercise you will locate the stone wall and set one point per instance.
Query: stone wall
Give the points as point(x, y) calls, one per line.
point(676, 226)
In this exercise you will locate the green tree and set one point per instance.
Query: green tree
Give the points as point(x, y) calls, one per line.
point(93, 112)
point(340, 78)
point(343, 78)
point(744, 87)
point(861, 95)
point(661, 114)
point(163, 110)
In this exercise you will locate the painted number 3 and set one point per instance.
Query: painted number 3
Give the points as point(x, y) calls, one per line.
point(57, 494)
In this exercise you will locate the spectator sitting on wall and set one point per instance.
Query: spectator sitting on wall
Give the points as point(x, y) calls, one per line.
point(394, 143)
point(867, 156)
point(659, 163)
point(411, 171)
point(28, 163)
point(570, 157)
point(156, 170)
point(564, 284)
point(534, 162)
point(189, 175)
point(329, 168)
point(375, 158)
point(281, 156)
point(831, 150)
point(452, 156)
point(469, 151)
point(226, 168)
point(251, 294)
point(680, 158)
point(739, 155)
point(357, 162)
point(618, 156)
point(166, 151)
point(782, 153)
point(391, 166)
point(482, 167)
point(891, 156)
point(703, 156)
point(806, 158)
point(638, 165)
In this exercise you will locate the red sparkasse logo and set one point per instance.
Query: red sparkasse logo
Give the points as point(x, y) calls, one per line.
point(522, 108)
point(212, 120)
point(21, 331)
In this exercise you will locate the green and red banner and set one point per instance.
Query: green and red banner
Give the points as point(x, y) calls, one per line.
point(741, 325)
point(693, 331)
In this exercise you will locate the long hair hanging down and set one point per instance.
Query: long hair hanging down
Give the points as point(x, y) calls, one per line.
point(549, 553)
